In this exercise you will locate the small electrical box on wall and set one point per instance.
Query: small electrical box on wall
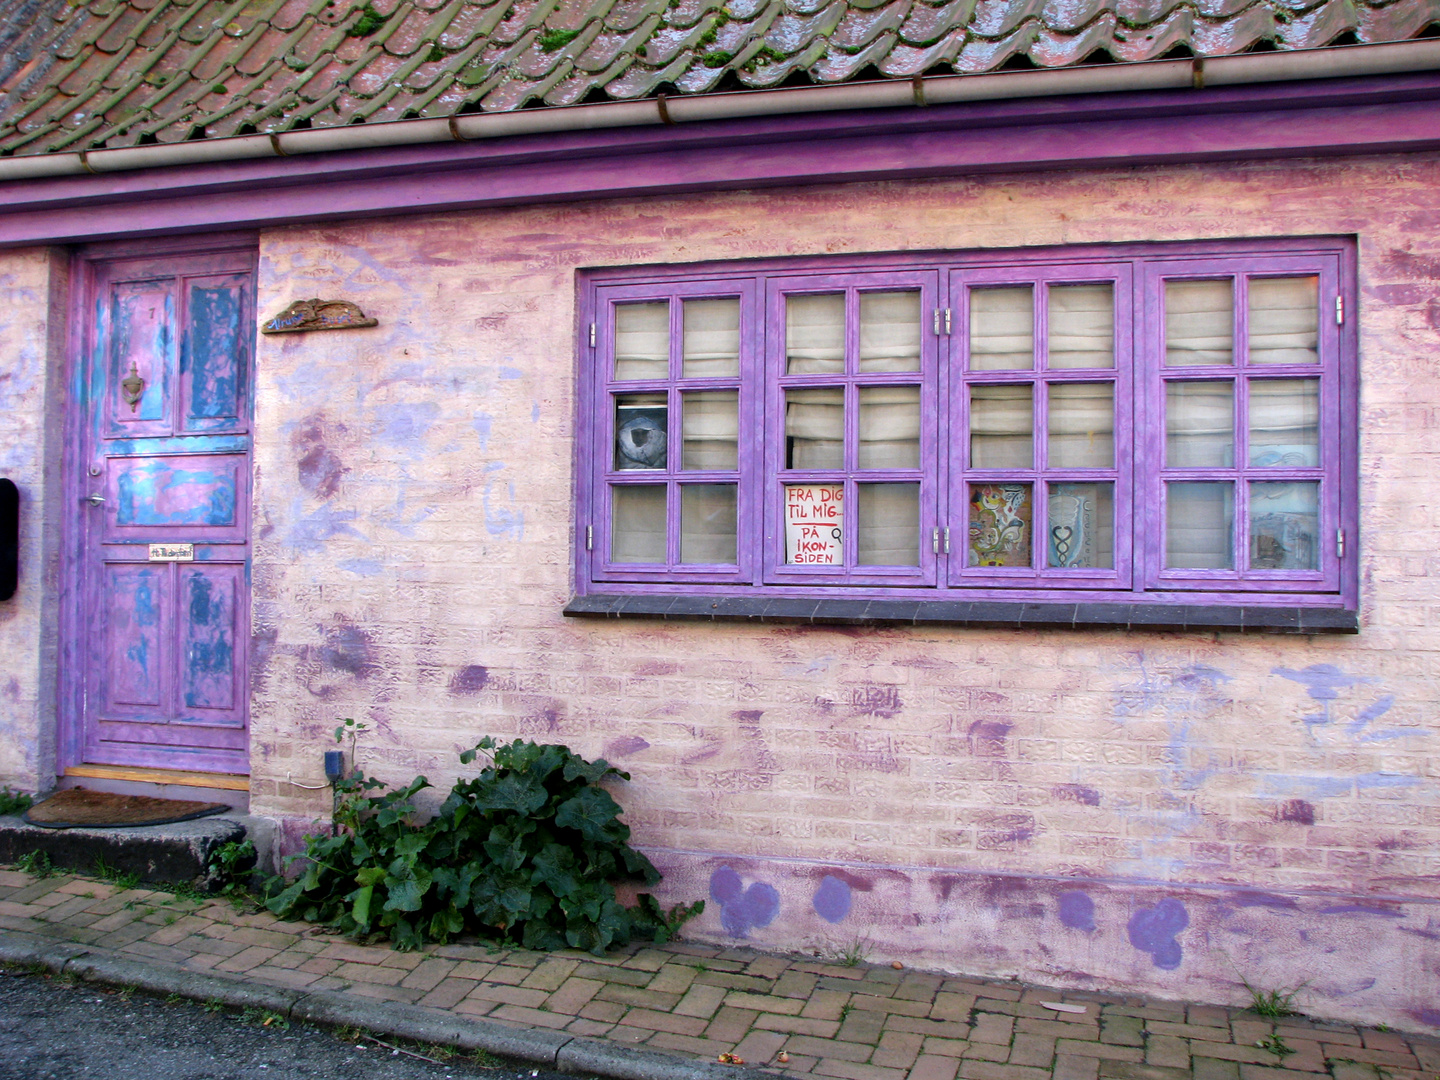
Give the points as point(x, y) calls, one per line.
point(9, 537)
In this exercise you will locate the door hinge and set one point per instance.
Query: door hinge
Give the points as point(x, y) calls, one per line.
point(947, 540)
point(935, 541)
point(589, 537)
point(1340, 543)
point(942, 319)
point(592, 335)
point(1339, 311)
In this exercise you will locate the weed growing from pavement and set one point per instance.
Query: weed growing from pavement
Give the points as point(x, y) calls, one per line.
point(14, 802)
point(114, 876)
point(1273, 1004)
point(1276, 1045)
point(37, 864)
point(214, 1005)
point(265, 1018)
point(855, 953)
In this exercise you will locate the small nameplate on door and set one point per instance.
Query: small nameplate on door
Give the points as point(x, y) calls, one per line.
point(172, 552)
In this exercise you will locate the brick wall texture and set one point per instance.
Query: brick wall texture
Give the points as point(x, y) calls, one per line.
point(1164, 811)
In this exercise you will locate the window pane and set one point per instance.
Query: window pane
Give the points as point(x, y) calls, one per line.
point(1082, 525)
point(1285, 422)
point(1199, 424)
point(1199, 519)
point(1002, 427)
point(1199, 322)
point(1284, 526)
point(1000, 523)
point(711, 425)
point(637, 523)
point(642, 341)
point(815, 334)
point(641, 431)
point(1284, 320)
point(890, 331)
point(1082, 425)
point(1082, 326)
point(815, 428)
point(1002, 329)
point(707, 523)
point(888, 520)
point(814, 518)
point(712, 339)
point(889, 427)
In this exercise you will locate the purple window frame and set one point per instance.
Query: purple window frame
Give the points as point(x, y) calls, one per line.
point(1138, 576)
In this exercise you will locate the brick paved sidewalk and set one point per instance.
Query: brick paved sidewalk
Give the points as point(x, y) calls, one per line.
point(787, 1014)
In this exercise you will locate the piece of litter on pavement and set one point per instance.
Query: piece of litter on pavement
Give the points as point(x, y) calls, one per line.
point(1061, 1006)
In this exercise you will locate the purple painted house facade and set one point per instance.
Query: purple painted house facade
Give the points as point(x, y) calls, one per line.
point(967, 463)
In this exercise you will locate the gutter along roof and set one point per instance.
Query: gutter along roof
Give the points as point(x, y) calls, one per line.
point(93, 75)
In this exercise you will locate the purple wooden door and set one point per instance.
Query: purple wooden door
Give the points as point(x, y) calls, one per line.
point(163, 497)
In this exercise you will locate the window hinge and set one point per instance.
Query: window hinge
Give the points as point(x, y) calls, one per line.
point(592, 335)
point(589, 537)
point(935, 541)
point(947, 320)
point(942, 318)
point(947, 540)
point(1339, 311)
point(1340, 543)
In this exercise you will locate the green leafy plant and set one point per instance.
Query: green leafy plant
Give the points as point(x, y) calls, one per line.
point(527, 852)
point(855, 953)
point(231, 866)
point(36, 863)
point(14, 802)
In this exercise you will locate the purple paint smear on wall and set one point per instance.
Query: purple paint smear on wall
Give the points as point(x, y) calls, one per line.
point(1153, 930)
point(832, 899)
point(1077, 911)
point(742, 909)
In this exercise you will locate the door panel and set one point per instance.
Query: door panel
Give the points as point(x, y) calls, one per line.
point(164, 515)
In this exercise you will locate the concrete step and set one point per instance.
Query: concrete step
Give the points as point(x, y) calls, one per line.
point(175, 854)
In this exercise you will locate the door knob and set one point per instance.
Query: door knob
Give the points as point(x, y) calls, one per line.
point(94, 499)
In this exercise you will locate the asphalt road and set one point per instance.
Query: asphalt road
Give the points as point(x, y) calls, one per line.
point(51, 1029)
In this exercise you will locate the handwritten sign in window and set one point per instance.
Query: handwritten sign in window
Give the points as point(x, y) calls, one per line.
point(814, 521)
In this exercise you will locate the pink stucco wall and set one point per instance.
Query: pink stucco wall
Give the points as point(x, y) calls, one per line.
point(1165, 812)
point(32, 328)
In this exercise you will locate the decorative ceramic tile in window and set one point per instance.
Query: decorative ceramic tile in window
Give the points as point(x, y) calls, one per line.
point(1153, 425)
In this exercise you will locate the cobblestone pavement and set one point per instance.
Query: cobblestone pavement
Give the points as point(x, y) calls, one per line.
point(788, 1014)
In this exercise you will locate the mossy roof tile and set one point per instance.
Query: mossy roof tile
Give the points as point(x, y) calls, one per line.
point(85, 73)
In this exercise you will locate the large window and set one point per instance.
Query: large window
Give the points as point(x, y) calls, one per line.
point(1151, 424)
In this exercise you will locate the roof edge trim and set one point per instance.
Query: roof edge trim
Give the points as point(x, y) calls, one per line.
point(1336, 62)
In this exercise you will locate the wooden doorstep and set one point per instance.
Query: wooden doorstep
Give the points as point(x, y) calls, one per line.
point(223, 781)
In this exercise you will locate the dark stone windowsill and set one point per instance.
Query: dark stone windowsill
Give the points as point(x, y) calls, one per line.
point(990, 614)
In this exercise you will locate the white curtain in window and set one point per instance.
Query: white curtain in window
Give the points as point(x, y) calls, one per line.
point(1284, 320)
point(707, 523)
point(890, 331)
point(712, 430)
point(1001, 427)
point(1285, 422)
point(815, 334)
point(1200, 424)
point(712, 339)
point(1082, 425)
point(815, 428)
point(1199, 520)
point(889, 427)
point(1199, 322)
point(888, 518)
point(1082, 326)
point(1002, 329)
point(642, 341)
point(637, 524)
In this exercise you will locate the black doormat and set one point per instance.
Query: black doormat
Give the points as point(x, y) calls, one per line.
point(79, 808)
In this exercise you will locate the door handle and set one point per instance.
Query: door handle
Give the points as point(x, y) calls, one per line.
point(93, 499)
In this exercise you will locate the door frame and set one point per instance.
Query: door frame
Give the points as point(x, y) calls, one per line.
point(80, 342)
